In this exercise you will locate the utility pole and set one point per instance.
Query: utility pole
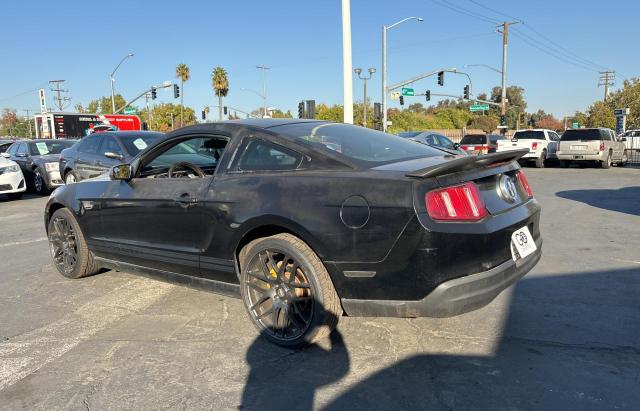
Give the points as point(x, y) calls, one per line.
point(505, 41)
point(607, 78)
point(347, 79)
point(59, 99)
point(264, 88)
point(28, 121)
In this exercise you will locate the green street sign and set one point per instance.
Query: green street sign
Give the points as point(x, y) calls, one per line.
point(129, 110)
point(407, 91)
point(575, 125)
point(479, 107)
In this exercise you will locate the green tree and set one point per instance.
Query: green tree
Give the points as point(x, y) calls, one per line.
point(166, 115)
point(330, 113)
point(628, 97)
point(600, 114)
point(484, 123)
point(183, 73)
point(516, 103)
point(580, 118)
point(277, 113)
point(102, 105)
point(220, 84)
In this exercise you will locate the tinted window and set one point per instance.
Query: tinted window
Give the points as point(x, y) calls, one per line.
point(205, 152)
point(409, 134)
point(581, 134)
point(357, 143)
point(474, 139)
point(12, 150)
point(22, 149)
point(40, 148)
point(90, 145)
point(110, 145)
point(263, 155)
point(444, 141)
point(529, 135)
point(136, 143)
point(495, 137)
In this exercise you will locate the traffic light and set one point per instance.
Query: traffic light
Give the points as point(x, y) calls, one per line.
point(154, 95)
point(225, 110)
point(204, 115)
point(301, 109)
point(176, 91)
point(401, 100)
point(441, 78)
point(427, 95)
point(466, 92)
point(311, 109)
point(377, 116)
point(503, 120)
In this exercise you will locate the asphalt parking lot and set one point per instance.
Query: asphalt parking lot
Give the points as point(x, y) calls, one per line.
point(567, 336)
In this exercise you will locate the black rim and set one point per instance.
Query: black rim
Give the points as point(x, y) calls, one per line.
point(62, 242)
point(278, 294)
point(37, 182)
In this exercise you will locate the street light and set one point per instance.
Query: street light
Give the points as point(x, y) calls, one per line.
point(113, 99)
point(262, 96)
point(264, 87)
point(358, 71)
point(384, 67)
point(485, 66)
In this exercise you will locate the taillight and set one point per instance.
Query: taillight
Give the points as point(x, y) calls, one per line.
point(558, 148)
point(456, 203)
point(534, 145)
point(602, 146)
point(525, 183)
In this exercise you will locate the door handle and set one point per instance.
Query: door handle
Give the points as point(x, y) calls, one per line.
point(185, 200)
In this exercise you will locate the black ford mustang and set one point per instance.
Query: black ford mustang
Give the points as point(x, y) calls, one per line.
point(306, 220)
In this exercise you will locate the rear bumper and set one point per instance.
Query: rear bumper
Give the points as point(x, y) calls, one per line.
point(582, 157)
point(452, 297)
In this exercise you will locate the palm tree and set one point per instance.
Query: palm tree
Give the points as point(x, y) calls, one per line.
point(220, 84)
point(182, 72)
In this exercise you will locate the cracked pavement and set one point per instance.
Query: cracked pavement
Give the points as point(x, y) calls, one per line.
point(567, 336)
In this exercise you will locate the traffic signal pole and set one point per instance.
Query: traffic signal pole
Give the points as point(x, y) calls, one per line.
point(505, 41)
point(149, 90)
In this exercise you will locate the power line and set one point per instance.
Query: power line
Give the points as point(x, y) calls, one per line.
point(607, 78)
point(467, 12)
point(23, 93)
point(493, 10)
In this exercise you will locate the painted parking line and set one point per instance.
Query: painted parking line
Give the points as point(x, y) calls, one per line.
point(27, 353)
point(37, 240)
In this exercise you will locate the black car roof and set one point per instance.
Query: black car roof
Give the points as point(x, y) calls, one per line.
point(271, 122)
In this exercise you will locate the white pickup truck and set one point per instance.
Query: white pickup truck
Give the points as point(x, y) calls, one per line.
point(542, 145)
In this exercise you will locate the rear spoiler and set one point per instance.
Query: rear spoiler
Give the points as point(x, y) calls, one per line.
point(469, 162)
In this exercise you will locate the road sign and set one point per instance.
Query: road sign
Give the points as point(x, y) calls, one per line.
point(575, 125)
point(479, 107)
point(407, 91)
point(129, 110)
point(621, 112)
point(395, 95)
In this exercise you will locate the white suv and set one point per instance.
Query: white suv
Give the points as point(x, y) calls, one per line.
point(542, 145)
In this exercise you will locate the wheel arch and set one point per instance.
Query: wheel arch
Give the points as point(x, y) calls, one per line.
point(51, 209)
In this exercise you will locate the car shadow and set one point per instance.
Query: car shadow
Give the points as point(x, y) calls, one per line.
point(570, 341)
point(623, 200)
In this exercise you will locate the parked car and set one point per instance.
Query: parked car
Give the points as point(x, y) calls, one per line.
point(38, 160)
point(542, 145)
point(11, 179)
point(599, 145)
point(305, 220)
point(480, 143)
point(432, 139)
point(632, 140)
point(98, 152)
point(5, 144)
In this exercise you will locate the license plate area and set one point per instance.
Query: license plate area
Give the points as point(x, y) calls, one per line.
point(578, 157)
point(522, 243)
point(578, 147)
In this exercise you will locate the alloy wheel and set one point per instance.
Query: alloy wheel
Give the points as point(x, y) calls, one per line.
point(37, 182)
point(63, 246)
point(70, 178)
point(278, 294)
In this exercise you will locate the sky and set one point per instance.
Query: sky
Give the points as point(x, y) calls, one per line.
point(555, 54)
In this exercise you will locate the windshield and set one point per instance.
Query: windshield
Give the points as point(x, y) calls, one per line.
point(40, 148)
point(136, 143)
point(474, 139)
point(356, 142)
point(409, 134)
point(529, 135)
point(584, 134)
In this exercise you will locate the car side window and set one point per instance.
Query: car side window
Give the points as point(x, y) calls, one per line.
point(13, 148)
point(90, 145)
point(110, 145)
point(22, 149)
point(261, 155)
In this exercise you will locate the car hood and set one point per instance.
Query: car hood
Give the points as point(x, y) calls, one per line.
point(5, 162)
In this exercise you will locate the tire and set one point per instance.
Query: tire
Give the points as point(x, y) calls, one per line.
point(70, 178)
point(607, 162)
point(623, 161)
point(276, 307)
point(68, 247)
point(38, 183)
point(15, 196)
point(541, 160)
point(565, 163)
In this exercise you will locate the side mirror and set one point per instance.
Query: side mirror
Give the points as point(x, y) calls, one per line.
point(121, 172)
point(623, 139)
point(5, 155)
point(21, 155)
point(115, 156)
point(456, 146)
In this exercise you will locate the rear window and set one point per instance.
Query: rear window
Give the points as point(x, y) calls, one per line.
point(584, 134)
point(529, 135)
point(409, 134)
point(136, 143)
point(474, 139)
point(357, 143)
point(41, 148)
